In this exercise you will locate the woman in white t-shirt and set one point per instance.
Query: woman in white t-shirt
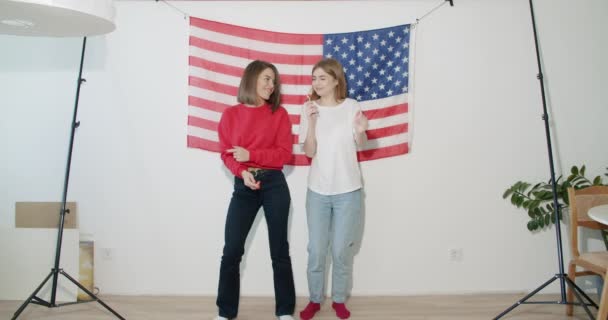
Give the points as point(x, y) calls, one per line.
point(331, 128)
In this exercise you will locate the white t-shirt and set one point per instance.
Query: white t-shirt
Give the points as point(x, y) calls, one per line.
point(334, 168)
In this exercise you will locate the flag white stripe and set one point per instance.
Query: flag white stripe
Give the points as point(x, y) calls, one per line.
point(385, 141)
point(294, 109)
point(215, 76)
point(384, 102)
point(203, 133)
point(388, 121)
point(212, 95)
point(204, 113)
point(235, 81)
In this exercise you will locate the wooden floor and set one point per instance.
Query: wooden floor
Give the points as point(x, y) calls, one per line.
point(453, 307)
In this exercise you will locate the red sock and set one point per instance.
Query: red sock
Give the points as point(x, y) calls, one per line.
point(341, 311)
point(310, 310)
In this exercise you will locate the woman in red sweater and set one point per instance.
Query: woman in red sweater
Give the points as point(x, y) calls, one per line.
point(256, 141)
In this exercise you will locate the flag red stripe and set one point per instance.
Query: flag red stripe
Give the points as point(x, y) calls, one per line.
point(295, 138)
point(294, 118)
point(216, 67)
point(276, 58)
point(386, 112)
point(213, 86)
point(296, 79)
point(293, 99)
point(384, 152)
point(300, 160)
point(202, 123)
point(256, 34)
point(238, 72)
point(207, 104)
point(196, 142)
point(387, 131)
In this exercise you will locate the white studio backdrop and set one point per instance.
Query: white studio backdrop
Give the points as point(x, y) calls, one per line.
point(156, 209)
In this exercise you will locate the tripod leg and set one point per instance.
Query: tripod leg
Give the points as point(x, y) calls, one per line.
point(577, 288)
point(91, 294)
point(515, 305)
point(29, 299)
point(578, 292)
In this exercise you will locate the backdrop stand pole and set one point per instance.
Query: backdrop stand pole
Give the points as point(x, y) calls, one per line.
point(561, 276)
point(56, 271)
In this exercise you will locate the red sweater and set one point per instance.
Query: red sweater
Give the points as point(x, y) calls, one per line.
point(266, 135)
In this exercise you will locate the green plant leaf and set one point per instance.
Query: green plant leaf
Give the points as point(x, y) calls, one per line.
point(564, 196)
point(541, 222)
point(597, 181)
point(535, 204)
point(534, 188)
point(513, 199)
point(519, 200)
point(537, 199)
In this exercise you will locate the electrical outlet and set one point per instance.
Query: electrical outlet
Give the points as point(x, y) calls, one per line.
point(107, 253)
point(455, 254)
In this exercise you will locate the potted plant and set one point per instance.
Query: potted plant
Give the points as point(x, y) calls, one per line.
point(537, 199)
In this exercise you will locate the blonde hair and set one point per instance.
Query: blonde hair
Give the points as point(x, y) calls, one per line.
point(334, 69)
point(248, 88)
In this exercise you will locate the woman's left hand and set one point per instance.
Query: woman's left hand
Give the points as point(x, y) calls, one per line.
point(240, 154)
point(361, 123)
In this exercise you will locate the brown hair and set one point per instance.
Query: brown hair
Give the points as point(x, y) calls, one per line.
point(334, 69)
point(247, 89)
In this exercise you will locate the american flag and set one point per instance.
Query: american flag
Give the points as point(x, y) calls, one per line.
point(375, 63)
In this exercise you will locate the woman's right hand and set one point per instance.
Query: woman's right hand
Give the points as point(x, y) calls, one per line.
point(312, 111)
point(249, 180)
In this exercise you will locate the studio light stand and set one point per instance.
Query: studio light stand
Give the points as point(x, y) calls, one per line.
point(56, 271)
point(561, 276)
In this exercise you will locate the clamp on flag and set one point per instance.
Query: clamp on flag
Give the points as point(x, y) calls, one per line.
point(376, 65)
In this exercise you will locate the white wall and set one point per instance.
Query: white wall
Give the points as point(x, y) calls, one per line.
point(160, 207)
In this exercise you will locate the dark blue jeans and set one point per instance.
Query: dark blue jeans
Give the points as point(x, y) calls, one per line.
point(244, 206)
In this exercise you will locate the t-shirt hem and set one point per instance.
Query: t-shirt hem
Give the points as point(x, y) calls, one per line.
point(333, 193)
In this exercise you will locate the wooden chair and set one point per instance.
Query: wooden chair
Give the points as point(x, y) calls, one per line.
point(592, 263)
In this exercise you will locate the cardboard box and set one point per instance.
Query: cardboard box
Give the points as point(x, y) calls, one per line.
point(44, 215)
point(86, 267)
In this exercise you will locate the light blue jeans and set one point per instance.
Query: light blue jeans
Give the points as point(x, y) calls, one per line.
point(332, 220)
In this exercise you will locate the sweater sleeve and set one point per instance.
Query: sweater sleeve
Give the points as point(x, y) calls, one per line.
point(281, 152)
point(224, 130)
